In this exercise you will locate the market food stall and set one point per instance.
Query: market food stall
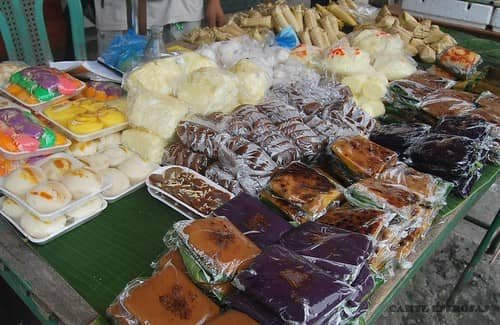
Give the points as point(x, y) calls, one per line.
point(74, 274)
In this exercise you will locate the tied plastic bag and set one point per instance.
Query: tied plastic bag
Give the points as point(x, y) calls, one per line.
point(345, 60)
point(125, 51)
point(287, 38)
point(254, 81)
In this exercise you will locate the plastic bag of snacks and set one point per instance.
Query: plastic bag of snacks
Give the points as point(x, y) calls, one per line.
point(7, 68)
point(292, 288)
point(288, 210)
point(217, 245)
point(431, 190)
point(102, 90)
point(369, 222)
point(254, 219)
point(168, 296)
point(178, 154)
point(448, 102)
point(224, 178)
point(306, 188)
point(356, 157)
point(399, 137)
point(372, 193)
point(461, 165)
point(316, 242)
point(253, 308)
point(460, 61)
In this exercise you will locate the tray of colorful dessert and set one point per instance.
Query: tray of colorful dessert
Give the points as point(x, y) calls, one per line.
point(125, 169)
point(86, 119)
point(189, 189)
point(41, 232)
point(23, 136)
point(102, 90)
point(37, 87)
point(53, 186)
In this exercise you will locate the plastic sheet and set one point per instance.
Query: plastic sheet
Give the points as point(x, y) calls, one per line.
point(220, 248)
point(369, 222)
point(293, 288)
point(255, 220)
point(460, 61)
point(178, 154)
point(306, 188)
point(372, 193)
point(432, 190)
point(461, 165)
point(339, 252)
point(166, 297)
point(399, 137)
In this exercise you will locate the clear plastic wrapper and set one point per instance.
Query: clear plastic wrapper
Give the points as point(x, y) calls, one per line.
point(224, 178)
point(278, 111)
point(372, 193)
point(369, 222)
point(254, 219)
point(253, 308)
point(408, 94)
point(292, 288)
point(316, 242)
point(448, 102)
point(362, 157)
point(231, 317)
point(218, 246)
point(253, 81)
point(399, 137)
point(168, 296)
point(306, 188)
point(460, 61)
point(264, 133)
point(305, 139)
point(432, 190)
point(461, 165)
point(190, 188)
point(288, 210)
point(489, 107)
point(467, 126)
point(178, 154)
point(200, 138)
point(431, 80)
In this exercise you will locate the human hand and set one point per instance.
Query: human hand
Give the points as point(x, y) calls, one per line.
point(214, 13)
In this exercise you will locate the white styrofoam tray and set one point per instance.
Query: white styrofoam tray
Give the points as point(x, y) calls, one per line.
point(73, 204)
point(172, 198)
point(173, 204)
point(70, 224)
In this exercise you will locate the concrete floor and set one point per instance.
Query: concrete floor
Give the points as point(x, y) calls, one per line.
point(435, 280)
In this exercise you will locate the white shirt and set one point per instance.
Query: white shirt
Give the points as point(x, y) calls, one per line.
point(159, 12)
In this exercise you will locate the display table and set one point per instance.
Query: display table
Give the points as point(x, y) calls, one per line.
point(98, 259)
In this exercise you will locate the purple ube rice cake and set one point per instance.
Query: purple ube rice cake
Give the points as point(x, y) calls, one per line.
point(240, 301)
point(293, 288)
point(363, 284)
point(254, 219)
point(321, 242)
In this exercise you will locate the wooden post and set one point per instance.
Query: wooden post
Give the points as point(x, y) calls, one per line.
point(142, 15)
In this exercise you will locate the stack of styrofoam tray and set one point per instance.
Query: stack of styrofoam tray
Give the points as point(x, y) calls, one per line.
point(173, 202)
point(106, 184)
point(453, 11)
point(70, 224)
point(495, 20)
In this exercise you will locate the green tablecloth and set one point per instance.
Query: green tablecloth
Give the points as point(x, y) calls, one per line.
point(100, 257)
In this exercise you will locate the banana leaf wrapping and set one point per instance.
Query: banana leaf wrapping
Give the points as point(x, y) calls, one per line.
point(408, 94)
point(216, 247)
point(254, 219)
point(373, 193)
point(431, 189)
point(355, 158)
point(399, 137)
point(306, 188)
point(338, 252)
point(461, 164)
point(293, 288)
